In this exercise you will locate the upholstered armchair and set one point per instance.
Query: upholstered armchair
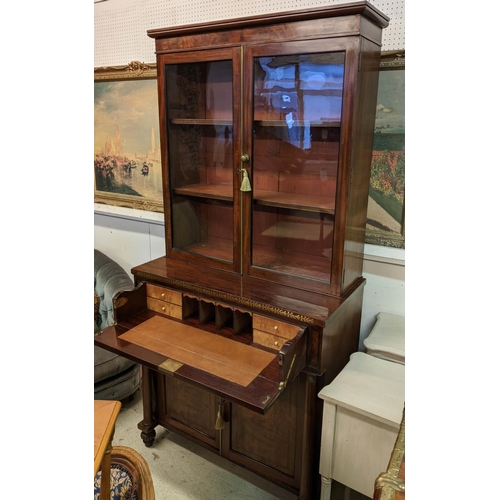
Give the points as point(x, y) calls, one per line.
point(115, 377)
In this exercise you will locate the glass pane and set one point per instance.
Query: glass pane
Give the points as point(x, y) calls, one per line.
point(203, 226)
point(200, 154)
point(297, 114)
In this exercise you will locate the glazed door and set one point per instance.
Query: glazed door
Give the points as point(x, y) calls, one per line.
point(294, 150)
point(199, 108)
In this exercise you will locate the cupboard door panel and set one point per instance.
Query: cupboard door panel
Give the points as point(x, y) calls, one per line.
point(298, 93)
point(271, 439)
point(201, 129)
point(193, 408)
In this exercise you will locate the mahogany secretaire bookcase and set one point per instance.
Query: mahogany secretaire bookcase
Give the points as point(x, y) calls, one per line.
point(266, 135)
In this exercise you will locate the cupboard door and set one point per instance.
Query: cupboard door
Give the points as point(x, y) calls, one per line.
point(202, 135)
point(297, 93)
point(190, 410)
point(271, 443)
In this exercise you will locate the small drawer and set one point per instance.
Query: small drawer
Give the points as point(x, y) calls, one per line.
point(276, 328)
point(268, 340)
point(161, 293)
point(160, 306)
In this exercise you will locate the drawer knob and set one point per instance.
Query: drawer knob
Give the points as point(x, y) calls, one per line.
point(276, 328)
point(163, 308)
point(162, 295)
point(276, 343)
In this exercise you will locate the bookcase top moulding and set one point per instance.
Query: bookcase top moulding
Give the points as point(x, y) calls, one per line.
point(364, 8)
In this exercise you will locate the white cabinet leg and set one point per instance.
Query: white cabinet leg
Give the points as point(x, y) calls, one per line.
point(326, 488)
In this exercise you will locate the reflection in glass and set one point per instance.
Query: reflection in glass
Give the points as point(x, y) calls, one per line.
point(297, 114)
point(200, 153)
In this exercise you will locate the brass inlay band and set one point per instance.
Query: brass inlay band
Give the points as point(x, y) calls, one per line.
point(226, 297)
point(169, 366)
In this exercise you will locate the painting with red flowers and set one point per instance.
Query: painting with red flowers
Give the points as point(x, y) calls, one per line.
point(385, 219)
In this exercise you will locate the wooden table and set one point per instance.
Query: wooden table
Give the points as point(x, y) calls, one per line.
point(105, 415)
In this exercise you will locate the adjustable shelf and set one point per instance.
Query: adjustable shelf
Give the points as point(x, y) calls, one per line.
point(291, 201)
point(262, 123)
point(300, 123)
point(201, 121)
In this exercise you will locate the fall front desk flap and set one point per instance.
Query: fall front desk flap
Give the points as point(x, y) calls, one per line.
point(248, 375)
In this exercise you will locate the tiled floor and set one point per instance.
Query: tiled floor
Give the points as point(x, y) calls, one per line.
point(183, 470)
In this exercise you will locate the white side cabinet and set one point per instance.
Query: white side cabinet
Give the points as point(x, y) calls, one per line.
point(387, 339)
point(363, 408)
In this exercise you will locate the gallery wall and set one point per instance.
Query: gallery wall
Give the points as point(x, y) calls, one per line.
point(133, 237)
point(120, 26)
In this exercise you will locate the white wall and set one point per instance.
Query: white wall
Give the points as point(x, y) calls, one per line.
point(384, 270)
point(120, 26)
point(132, 237)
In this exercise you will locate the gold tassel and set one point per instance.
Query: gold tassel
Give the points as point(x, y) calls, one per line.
point(219, 423)
point(245, 183)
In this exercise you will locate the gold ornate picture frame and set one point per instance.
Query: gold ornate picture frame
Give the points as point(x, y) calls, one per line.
point(127, 161)
point(386, 206)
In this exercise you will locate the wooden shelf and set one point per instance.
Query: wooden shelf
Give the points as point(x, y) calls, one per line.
point(304, 265)
point(220, 251)
point(213, 191)
point(201, 121)
point(300, 231)
point(301, 123)
point(296, 201)
point(291, 201)
point(262, 123)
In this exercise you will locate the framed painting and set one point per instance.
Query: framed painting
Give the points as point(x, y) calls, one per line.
point(127, 162)
point(386, 204)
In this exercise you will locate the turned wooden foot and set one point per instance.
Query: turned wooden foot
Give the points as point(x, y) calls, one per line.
point(147, 426)
point(326, 488)
point(148, 437)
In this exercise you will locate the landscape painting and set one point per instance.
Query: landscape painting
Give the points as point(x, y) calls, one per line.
point(127, 162)
point(385, 219)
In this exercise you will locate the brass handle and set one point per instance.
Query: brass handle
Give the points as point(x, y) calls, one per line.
point(163, 308)
point(245, 158)
point(162, 295)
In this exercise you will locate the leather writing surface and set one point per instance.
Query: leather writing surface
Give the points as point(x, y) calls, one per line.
point(225, 358)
